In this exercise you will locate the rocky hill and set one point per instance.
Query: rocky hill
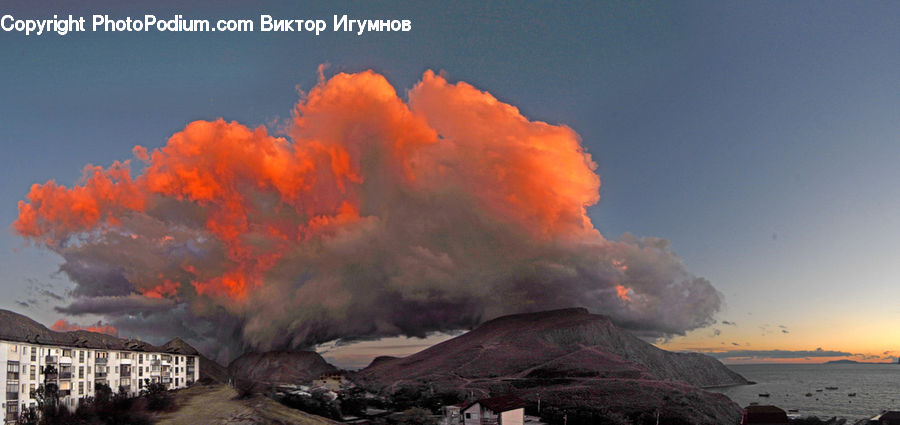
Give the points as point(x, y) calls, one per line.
point(257, 372)
point(571, 358)
point(212, 372)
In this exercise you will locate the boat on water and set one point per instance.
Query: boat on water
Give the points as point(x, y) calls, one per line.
point(831, 388)
point(851, 395)
point(763, 394)
point(809, 394)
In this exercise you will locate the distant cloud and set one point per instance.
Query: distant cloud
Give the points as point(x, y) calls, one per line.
point(725, 322)
point(785, 331)
point(49, 294)
point(116, 305)
point(735, 344)
point(22, 303)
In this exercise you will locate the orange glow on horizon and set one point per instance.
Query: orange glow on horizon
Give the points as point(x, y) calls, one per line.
point(62, 325)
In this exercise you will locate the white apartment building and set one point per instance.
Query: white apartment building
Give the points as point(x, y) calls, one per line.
point(120, 364)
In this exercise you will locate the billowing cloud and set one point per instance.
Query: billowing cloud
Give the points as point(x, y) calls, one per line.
point(373, 216)
point(63, 326)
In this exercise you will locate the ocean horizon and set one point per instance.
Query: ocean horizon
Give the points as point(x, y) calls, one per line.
point(874, 386)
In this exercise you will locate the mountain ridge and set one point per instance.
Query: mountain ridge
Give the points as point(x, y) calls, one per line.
point(569, 358)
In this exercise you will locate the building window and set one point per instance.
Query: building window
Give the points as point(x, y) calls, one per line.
point(31, 373)
point(12, 371)
point(80, 372)
point(12, 412)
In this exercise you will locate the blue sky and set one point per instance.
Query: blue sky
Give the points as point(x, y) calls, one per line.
point(760, 138)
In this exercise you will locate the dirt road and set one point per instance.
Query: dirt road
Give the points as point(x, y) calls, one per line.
point(217, 404)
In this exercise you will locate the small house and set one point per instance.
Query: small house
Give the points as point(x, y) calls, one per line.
point(330, 381)
point(453, 414)
point(502, 410)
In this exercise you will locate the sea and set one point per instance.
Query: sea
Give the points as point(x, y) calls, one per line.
point(877, 388)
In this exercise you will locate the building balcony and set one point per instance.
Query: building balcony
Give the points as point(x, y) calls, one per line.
point(100, 375)
point(65, 360)
point(12, 396)
point(51, 359)
point(125, 361)
point(65, 375)
point(101, 360)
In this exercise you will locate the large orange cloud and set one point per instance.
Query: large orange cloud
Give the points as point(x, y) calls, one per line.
point(451, 201)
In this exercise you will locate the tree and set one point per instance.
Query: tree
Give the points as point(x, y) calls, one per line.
point(28, 417)
point(47, 393)
point(102, 393)
point(156, 394)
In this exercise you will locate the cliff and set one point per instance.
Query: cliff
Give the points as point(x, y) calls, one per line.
point(257, 372)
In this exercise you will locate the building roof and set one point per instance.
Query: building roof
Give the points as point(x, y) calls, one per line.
point(891, 415)
point(16, 327)
point(499, 404)
point(764, 415)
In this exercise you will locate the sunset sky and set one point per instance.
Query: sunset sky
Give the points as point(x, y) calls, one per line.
point(761, 139)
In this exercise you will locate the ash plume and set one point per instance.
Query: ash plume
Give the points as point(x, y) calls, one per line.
point(373, 216)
